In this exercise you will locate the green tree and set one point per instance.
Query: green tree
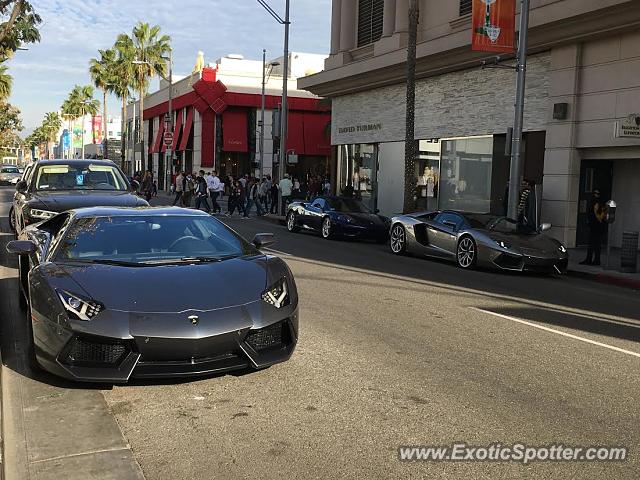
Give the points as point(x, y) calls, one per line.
point(6, 83)
point(124, 78)
point(150, 57)
point(51, 126)
point(102, 73)
point(19, 27)
point(79, 103)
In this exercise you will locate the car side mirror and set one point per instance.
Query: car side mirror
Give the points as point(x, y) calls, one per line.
point(21, 247)
point(21, 186)
point(545, 227)
point(264, 240)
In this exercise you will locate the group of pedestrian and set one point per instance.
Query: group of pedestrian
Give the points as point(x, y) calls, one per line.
point(145, 184)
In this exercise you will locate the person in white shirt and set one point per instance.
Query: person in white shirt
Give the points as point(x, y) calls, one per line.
point(285, 186)
point(215, 187)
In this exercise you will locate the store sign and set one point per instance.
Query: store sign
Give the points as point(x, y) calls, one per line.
point(629, 127)
point(368, 127)
point(493, 25)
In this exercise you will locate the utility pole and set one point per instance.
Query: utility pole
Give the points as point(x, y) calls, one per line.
point(285, 110)
point(516, 144)
point(169, 155)
point(264, 61)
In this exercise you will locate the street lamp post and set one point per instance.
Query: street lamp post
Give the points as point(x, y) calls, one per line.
point(265, 78)
point(285, 80)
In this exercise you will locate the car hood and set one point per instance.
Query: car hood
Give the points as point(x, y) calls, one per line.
point(539, 242)
point(167, 288)
point(66, 200)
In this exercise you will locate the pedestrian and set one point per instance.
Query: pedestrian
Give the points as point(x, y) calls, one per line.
point(189, 187)
point(263, 195)
point(179, 188)
point(285, 186)
point(155, 189)
point(274, 198)
point(202, 193)
point(527, 208)
point(236, 198)
point(147, 185)
point(596, 219)
point(215, 186)
point(327, 186)
point(249, 196)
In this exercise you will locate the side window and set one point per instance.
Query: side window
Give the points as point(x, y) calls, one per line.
point(319, 203)
point(57, 231)
point(447, 218)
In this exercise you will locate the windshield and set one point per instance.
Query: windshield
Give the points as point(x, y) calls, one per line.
point(150, 240)
point(82, 177)
point(347, 205)
point(10, 170)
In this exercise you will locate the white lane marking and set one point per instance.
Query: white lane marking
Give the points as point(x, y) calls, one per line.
point(278, 252)
point(552, 330)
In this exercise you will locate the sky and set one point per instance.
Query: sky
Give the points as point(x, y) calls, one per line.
point(74, 30)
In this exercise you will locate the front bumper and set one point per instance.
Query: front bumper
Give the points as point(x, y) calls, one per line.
point(529, 263)
point(88, 353)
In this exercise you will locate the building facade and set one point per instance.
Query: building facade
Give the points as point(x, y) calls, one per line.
point(582, 111)
point(217, 121)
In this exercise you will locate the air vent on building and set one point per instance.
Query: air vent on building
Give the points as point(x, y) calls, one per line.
point(370, 14)
point(465, 7)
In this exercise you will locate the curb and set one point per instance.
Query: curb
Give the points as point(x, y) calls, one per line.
point(607, 279)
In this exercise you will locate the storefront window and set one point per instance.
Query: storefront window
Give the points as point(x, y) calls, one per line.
point(358, 167)
point(465, 182)
point(427, 175)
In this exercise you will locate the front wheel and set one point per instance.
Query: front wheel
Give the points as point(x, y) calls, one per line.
point(398, 239)
point(12, 220)
point(327, 229)
point(291, 222)
point(467, 253)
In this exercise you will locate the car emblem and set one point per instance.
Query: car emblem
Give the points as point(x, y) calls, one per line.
point(194, 319)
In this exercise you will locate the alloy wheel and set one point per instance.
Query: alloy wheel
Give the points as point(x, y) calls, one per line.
point(398, 239)
point(291, 222)
point(326, 227)
point(466, 252)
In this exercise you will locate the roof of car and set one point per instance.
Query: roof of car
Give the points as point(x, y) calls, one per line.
point(75, 161)
point(136, 212)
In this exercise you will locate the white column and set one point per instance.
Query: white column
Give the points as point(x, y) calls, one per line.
point(348, 25)
point(402, 16)
point(389, 18)
point(336, 7)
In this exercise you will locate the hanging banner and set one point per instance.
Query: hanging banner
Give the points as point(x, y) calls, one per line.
point(493, 25)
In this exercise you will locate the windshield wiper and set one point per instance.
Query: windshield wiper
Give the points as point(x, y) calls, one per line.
point(105, 261)
point(194, 259)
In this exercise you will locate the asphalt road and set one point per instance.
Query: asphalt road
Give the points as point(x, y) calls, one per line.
point(404, 351)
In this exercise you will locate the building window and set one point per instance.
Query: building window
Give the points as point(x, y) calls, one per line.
point(465, 7)
point(369, 21)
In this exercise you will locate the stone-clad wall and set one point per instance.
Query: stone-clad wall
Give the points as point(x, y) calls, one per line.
point(470, 102)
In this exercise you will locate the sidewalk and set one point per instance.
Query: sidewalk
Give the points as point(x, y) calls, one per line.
point(601, 274)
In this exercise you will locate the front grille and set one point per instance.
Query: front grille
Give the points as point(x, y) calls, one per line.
point(509, 262)
point(272, 337)
point(82, 351)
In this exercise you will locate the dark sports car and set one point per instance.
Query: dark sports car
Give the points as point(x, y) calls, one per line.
point(49, 187)
point(114, 294)
point(337, 217)
point(477, 240)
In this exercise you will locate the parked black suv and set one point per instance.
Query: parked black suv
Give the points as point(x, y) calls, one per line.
point(53, 186)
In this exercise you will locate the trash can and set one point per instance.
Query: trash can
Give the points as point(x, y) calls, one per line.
point(629, 252)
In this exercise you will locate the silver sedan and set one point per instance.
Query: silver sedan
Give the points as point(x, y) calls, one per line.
point(477, 240)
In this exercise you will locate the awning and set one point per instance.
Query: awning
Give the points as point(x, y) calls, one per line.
point(316, 140)
point(187, 130)
point(234, 131)
point(295, 133)
point(155, 148)
point(177, 129)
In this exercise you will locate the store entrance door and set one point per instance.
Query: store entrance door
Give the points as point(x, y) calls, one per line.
point(358, 173)
point(594, 174)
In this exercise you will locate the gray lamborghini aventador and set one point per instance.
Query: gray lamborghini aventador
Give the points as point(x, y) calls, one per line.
point(116, 293)
point(477, 240)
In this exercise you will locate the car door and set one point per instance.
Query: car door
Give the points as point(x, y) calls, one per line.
point(444, 232)
point(315, 212)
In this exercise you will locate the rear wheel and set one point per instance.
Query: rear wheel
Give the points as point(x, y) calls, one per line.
point(467, 253)
point(291, 222)
point(12, 220)
point(327, 228)
point(398, 240)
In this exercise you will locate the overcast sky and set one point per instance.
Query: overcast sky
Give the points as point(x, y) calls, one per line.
point(74, 30)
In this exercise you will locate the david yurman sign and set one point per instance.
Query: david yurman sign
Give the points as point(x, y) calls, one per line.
point(360, 128)
point(629, 127)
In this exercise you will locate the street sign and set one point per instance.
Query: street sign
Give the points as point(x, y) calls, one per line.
point(168, 138)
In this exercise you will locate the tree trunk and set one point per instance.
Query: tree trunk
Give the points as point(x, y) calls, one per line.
point(143, 153)
point(410, 143)
point(123, 124)
point(105, 138)
point(82, 130)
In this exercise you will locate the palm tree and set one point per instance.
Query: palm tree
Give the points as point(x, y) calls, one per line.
point(123, 79)
point(410, 141)
point(102, 74)
point(6, 83)
point(80, 103)
point(51, 126)
point(150, 50)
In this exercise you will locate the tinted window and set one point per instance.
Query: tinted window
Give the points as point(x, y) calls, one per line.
point(10, 170)
point(449, 218)
point(81, 177)
point(151, 239)
point(347, 205)
point(319, 203)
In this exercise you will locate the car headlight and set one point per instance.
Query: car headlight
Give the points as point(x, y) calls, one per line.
point(277, 294)
point(503, 244)
point(562, 248)
point(78, 307)
point(41, 214)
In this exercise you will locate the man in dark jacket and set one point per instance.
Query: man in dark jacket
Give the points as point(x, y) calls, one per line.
point(596, 216)
point(201, 192)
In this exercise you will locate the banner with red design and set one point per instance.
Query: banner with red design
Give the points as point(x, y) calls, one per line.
point(493, 25)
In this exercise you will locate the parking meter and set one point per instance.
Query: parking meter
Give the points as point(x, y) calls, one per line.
point(611, 211)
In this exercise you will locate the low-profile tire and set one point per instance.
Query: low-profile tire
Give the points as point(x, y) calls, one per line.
point(291, 222)
point(327, 229)
point(12, 220)
point(398, 239)
point(467, 253)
